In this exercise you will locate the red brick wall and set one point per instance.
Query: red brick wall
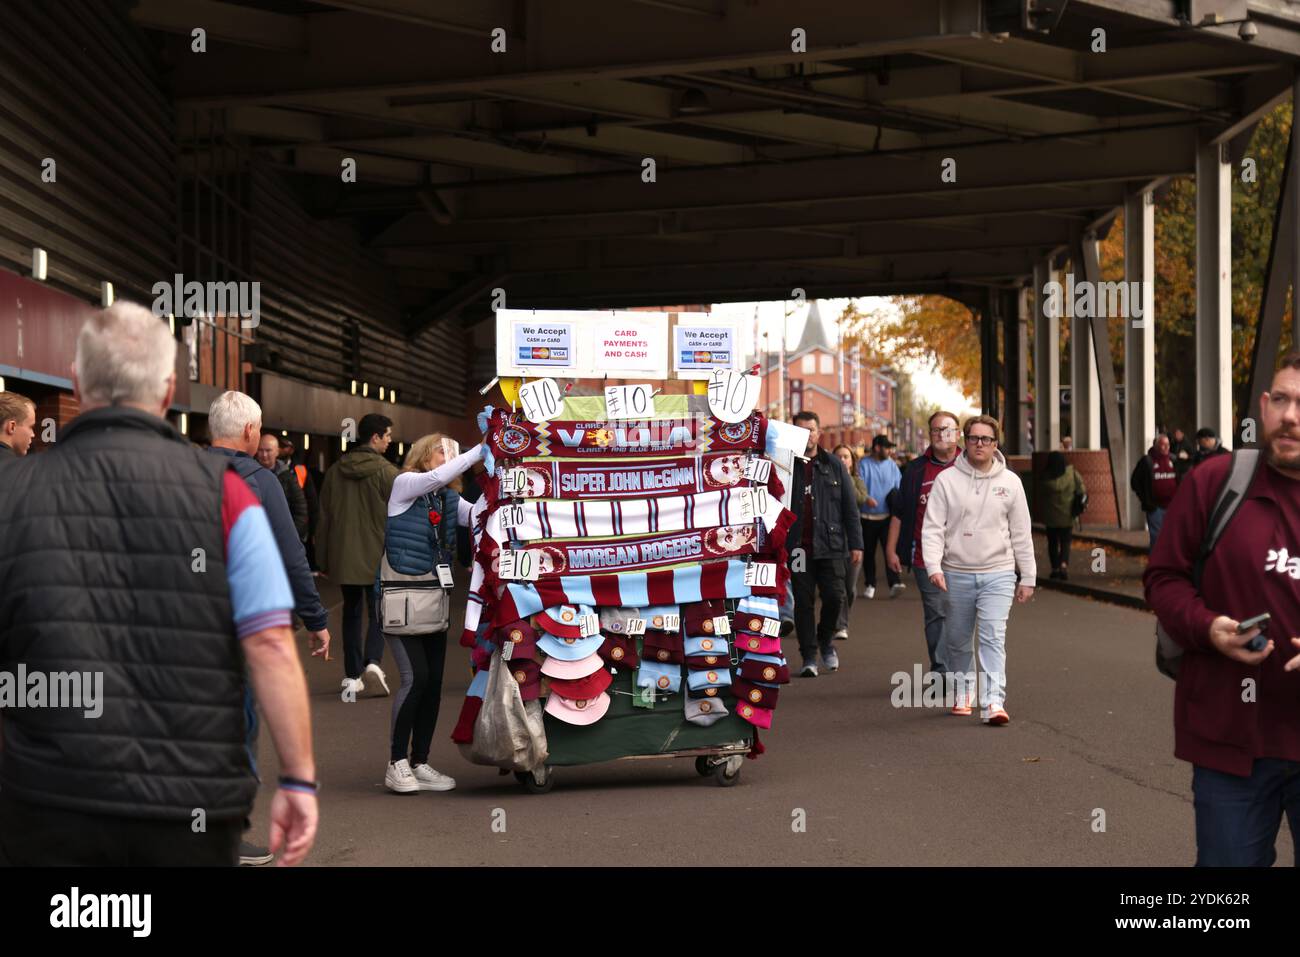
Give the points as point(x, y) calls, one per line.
point(61, 407)
point(1094, 467)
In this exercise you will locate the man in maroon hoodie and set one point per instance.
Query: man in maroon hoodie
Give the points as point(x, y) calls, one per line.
point(1154, 481)
point(1237, 712)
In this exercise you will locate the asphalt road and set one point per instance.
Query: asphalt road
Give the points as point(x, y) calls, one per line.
point(1091, 735)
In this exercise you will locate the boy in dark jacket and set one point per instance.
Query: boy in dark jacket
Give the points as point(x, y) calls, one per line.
point(825, 534)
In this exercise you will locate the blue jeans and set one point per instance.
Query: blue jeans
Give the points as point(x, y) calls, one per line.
point(934, 603)
point(1237, 819)
point(978, 600)
point(1154, 521)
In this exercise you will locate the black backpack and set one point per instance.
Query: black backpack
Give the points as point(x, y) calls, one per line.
point(1245, 462)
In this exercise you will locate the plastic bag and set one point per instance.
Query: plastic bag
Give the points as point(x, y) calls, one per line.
point(507, 733)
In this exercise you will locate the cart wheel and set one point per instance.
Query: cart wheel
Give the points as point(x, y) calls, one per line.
point(537, 781)
point(724, 777)
point(702, 766)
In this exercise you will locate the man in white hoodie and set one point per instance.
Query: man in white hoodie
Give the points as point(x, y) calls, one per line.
point(976, 535)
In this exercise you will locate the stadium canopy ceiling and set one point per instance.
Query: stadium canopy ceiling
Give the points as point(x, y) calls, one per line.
point(819, 168)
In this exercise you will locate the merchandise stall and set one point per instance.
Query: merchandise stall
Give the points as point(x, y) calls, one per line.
point(630, 554)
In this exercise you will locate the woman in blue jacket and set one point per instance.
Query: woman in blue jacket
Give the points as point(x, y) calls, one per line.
point(419, 536)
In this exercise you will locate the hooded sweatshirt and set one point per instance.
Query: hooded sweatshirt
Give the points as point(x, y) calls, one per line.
point(353, 510)
point(979, 522)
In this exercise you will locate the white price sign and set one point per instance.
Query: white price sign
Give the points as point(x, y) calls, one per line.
point(514, 482)
point(732, 395)
point(517, 566)
point(541, 400)
point(588, 625)
point(629, 402)
point(635, 626)
point(758, 470)
point(672, 622)
point(771, 627)
point(760, 574)
point(512, 516)
point(721, 626)
point(747, 505)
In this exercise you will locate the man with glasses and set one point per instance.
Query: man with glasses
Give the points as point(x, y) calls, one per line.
point(975, 538)
point(903, 547)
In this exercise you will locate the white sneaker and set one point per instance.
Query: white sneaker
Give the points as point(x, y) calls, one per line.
point(841, 635)
point(431, 780)
point(355, 685)
point(400, 778)
point(869, 591)
point(896, 590)
point(378, 672)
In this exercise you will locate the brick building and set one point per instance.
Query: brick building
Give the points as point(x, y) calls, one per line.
point(853, 401)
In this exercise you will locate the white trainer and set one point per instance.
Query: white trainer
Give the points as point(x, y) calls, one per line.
point(869, 591)
point(896, 590)
point(431, 780)
point(400, 779)
point(378, 672)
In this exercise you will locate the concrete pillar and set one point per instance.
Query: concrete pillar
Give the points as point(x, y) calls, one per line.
point(1015, 366)
point(1047, 364)
point(1139, 338)
point(1213, 290)
point(1085, 407)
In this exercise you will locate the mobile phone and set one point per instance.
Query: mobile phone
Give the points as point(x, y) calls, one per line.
point(1259, 641)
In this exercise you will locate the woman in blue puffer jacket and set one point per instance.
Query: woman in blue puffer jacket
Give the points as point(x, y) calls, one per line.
point(418, 537)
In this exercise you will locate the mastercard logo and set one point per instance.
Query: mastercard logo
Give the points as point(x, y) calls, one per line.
point(541, 352)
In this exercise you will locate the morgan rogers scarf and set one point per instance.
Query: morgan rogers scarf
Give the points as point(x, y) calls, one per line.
point(637, 553)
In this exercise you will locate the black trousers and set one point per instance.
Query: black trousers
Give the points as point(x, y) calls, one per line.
point(1058, 546)
point(420, 660)
point(32, 835)
point(356, 657)
point(875, 534)
point(824, 575)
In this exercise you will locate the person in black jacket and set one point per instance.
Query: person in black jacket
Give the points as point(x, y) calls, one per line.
point(826, 533)
point(235, 422)
point(1207, 446)
point(267, 455)
point(17, 425)
point(134, 558)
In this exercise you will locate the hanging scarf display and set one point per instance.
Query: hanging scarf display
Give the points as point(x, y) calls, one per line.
point(638, 553)
point(668, 586)
point(511, 436)
point(632, 479)
point(546, 518)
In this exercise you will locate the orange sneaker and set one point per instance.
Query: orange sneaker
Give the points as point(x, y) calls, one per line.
point(997, 716)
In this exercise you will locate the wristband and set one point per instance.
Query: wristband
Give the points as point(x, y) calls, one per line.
point(298, 784)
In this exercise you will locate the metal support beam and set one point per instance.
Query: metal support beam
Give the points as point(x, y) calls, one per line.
point(1015, 367)
point(1105, 374)
point(1139, 340)
point(1272, 304)
point(1085, 419)
point(1213, 289)
point(988, 327)
point(1047, 363)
